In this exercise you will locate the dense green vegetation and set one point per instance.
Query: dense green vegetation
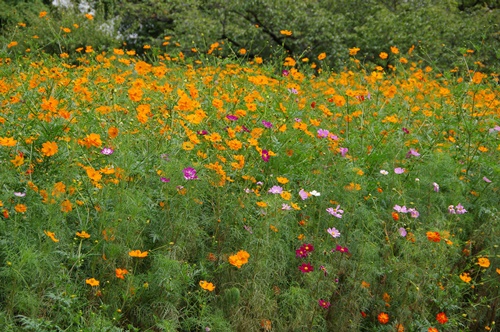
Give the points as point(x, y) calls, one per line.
point(206, 174)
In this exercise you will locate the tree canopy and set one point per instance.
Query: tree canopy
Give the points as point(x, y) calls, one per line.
point(440, 30)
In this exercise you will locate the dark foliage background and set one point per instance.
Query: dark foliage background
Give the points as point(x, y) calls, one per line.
point(441, 30)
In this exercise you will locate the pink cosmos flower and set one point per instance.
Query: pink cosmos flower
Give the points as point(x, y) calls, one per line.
point(336, 212)
point(399, 170)
point(333, 232)
point(303, 194)
point(413, 153)
point(275, 190)
point(107, 151)
point(322, 133)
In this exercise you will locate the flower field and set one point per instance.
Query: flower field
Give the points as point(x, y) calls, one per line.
point(239, 195)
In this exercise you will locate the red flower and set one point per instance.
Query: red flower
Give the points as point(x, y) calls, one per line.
point(441, 318)
point(307, 247)
point(306, 268)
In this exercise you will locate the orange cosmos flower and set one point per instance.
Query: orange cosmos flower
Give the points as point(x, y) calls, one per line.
point(282, 180)
point(433, 236)
point(432, 329)
point(120, 273)
point(83, 235)
point(322, 56)
point(465, 277)
point(239, 259)
point(112, 132)
point(207, 285)
point(92, 282)
point(286, 32)
point(51, 235)
point(66, 206)
point(290, 62)
point(353, 51)
point(138, 253)
point(49, 149)
point(91, 140)
point(383, 318)
point(93, 174)
point(383, 55)
point(266, 324)
point(441, 318)
point(20, 208)
point(483, 262)
point(7, 141)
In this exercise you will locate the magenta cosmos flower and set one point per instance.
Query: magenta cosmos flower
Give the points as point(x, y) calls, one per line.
point(324, 304)
point(306, 268)
point(189, 173)
point(267, 124)
point(265, 155)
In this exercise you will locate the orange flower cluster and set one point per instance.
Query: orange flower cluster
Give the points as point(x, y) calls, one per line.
point(239, 259)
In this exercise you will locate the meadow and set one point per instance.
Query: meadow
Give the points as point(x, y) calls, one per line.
point(167, 193)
